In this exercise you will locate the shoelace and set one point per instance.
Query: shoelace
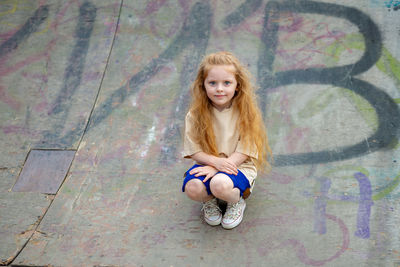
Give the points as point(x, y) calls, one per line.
point(211, 209)
point(232, 210)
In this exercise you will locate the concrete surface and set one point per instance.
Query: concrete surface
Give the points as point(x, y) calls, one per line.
point(110, 80)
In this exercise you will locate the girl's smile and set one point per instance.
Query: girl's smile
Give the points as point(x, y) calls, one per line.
point(221, 85)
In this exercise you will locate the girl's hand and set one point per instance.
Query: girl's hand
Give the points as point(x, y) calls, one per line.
point(225, 165)
point(207, 171)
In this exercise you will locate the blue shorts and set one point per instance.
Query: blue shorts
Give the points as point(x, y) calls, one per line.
point(239, 181)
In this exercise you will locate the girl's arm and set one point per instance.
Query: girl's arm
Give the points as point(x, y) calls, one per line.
point(238, 158)
point(214, 164)
point(222, 164)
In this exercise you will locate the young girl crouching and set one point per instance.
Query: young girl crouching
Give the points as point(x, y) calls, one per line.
point(226, 137)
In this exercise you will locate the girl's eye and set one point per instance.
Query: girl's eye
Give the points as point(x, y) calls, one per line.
point(212, 83)
point(227, 82)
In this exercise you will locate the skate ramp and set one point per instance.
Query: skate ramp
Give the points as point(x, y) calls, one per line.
point(92, 99)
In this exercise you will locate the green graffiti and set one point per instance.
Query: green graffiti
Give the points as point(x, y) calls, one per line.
point(317, 104)
point(390, 66)
point(381, 192)
point(351, 41)
point(364, 108)
point(387, 189)
point(350, 168)
point(386, 64)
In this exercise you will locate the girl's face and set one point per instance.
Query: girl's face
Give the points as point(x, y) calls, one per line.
point(220, 85)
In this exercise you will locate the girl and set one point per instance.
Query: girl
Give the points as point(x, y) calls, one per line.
point(225, 136)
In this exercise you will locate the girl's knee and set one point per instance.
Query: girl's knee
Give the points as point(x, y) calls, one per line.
point(195, 189)
point(221, 184)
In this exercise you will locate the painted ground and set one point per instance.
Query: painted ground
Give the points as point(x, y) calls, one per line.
point(92, 100)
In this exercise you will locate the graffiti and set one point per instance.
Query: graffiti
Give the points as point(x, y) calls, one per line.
point(343, 76)
point(365, 198)
point(241, 13)
point(30, 26)
point(195, 32)
point(74, 70)
point(364, 208)
point(364, 205)
point(320, 207)
point(382, 115)
point(393, 4)
point(386, 190)
point(301, 252)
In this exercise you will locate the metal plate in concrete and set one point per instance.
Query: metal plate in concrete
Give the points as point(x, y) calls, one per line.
point(44, 171)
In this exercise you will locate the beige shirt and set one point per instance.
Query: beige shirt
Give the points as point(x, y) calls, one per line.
point(227, 140)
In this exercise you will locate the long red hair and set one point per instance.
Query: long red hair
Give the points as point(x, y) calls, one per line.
point(251, 126)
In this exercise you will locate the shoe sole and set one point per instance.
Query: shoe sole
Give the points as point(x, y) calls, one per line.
point(213, 223)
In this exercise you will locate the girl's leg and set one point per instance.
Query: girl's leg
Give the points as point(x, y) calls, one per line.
point(196, 191)
point(222, 187)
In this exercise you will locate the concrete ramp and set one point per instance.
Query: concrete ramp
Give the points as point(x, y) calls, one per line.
point(104, 85)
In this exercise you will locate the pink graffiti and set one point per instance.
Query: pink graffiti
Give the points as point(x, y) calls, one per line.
point(7, 99)
point(301, 251)
point(153, 6)
point(12, 129)
point(293, 141)
point(320, 37)
point(5, 69)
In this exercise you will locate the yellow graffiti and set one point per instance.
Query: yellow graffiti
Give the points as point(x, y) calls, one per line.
point(10, 11)
point(46, 29)
point(350, 168)
point(17, 5)
point(9, 24)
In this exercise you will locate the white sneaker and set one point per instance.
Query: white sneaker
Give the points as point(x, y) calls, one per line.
point(234, 214)
point(212, 212)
